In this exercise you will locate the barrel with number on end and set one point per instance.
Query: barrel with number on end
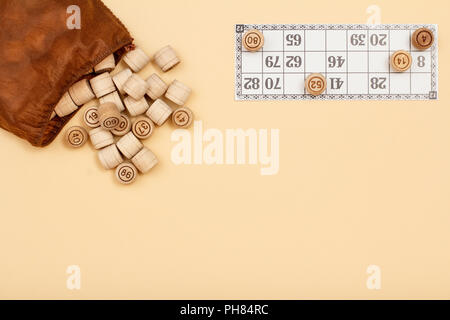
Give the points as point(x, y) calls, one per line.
point(253, 40)
point(401, 61)
point(76, 136)
point(109, 115)
point(126, 173)
point(315, 84)
point(142, 127)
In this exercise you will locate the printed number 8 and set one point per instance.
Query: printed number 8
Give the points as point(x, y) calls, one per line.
point(421, 61)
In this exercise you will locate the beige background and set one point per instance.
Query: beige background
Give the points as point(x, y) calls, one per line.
point(360, 183)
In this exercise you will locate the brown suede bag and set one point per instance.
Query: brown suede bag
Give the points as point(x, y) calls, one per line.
point(41, 57)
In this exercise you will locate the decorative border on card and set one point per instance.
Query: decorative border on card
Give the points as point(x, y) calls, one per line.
point(241, 28)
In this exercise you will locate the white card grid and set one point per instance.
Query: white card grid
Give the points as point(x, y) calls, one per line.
point(355, 59)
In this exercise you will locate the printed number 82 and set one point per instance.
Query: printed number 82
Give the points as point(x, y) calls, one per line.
point(251, 83)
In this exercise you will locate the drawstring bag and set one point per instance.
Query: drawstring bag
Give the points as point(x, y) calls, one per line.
point(45, 47)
